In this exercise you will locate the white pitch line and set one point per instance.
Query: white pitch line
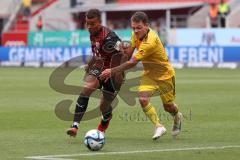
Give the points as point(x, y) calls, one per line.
point(61, 157)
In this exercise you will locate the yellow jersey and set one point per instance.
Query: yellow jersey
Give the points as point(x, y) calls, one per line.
point(27, 3)
point(153, 56)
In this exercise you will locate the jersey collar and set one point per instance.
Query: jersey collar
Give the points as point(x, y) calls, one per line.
point(145, 36)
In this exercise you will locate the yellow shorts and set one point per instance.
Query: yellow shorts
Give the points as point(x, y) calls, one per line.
point(166, 88)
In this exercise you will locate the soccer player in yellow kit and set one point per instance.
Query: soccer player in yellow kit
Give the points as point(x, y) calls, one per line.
point(158, 75)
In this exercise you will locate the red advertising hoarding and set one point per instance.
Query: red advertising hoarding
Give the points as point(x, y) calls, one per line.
point(14, 39)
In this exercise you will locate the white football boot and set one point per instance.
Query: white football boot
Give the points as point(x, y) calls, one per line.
point(159, 131)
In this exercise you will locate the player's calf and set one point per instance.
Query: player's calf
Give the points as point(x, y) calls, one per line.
point(80, 109)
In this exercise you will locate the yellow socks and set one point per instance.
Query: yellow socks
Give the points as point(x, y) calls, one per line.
point(151, 113)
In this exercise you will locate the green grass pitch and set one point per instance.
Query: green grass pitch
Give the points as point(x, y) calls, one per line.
point(208, 98)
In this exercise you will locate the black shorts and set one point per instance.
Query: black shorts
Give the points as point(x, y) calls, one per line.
point(112, 85)
point(95, 68)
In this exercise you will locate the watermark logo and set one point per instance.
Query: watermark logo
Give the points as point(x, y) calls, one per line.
point(128, 90)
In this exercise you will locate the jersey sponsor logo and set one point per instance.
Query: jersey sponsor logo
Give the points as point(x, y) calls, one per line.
point(109, 47)
point(141, 52)
point(95, 72)
point(118, 46)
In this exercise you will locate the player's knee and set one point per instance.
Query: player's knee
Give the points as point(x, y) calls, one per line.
point(87, 91)
point(108, 96)
point(143, 101)
point(91, 84)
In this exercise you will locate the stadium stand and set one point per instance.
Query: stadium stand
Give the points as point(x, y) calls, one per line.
point(171, 13)
point(17, 23)
point(200, 18)
point(234, 14)
point(63, 24)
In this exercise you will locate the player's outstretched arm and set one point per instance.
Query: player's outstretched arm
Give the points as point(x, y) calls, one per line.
point(127, 49)
point(107, 73)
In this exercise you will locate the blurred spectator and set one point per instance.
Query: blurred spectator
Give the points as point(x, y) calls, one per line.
point(74, 3)
point(160, 29)
point(26, 5)
point(1, 28)
point(213, 14)
point(223, 11)
point(39, 23)
point(110, 24)
point(110, 1)
point(72, 25)
point(163, 34)
point(155, 26)
point(78, 22)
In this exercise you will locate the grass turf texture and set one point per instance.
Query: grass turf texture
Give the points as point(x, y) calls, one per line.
point(208, 98)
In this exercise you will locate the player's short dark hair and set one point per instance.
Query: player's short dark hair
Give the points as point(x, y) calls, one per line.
point(140, 17)
point(93, 13)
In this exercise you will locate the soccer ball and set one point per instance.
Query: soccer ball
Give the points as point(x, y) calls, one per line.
point(94, 140)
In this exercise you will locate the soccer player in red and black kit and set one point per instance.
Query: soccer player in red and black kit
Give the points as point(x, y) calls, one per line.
point(105, 46)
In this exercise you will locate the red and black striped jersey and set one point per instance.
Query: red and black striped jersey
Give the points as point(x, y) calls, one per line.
point(104, 45)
